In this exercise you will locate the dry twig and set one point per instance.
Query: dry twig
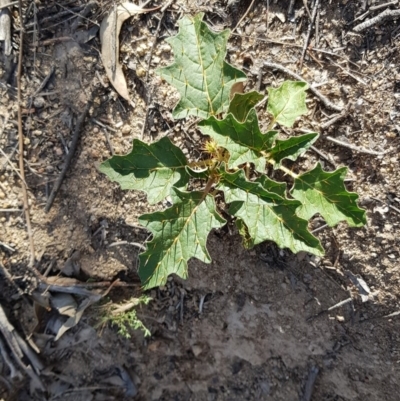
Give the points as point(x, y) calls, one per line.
point(356, 148)
point(308, 390)
point(68, 160)
point(244, 16)
point(334, 119)
point(20, 349)
point(383, 16)
point(5, 27)
point(21, 143)
point(307, 39)
point(163, 10)
point(13, 3)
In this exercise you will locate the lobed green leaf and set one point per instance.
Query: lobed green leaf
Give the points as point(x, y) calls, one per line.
point(242, 103)
point(324, 193)
point(287, 102)
point(291, 148)
point(153, 168)
point(266, 215)
point(199, 72)
point(179, 233)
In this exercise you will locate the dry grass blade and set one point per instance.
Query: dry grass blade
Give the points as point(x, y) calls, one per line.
point(109, 33)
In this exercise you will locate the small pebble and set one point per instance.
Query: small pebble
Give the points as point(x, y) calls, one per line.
point(58, 151)
point(126, 130)
point(39, 102)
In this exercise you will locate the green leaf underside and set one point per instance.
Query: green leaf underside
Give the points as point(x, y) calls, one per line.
point(324, 193)
point(291, 148)
point(243, 141)
point(242, 103)
point(199, 72)
point(179, 233)
point(153, 168)
point(267, 215)
point(287, 102)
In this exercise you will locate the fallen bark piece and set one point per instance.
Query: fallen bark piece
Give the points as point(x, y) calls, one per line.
point(5, 27)
point(109, 36)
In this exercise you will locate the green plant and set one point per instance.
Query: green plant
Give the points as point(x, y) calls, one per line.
point(233, 169)
point(124, 316)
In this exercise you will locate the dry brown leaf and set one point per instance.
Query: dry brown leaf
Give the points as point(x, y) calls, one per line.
point(237, 87)
point(109, 36)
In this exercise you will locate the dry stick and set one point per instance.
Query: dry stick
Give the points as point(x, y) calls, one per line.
point(317, 19)
point(244, 16)
point(387, 204)
point(136, 244)
point(4, 354)
point(5, 29)
point(307, 9)
point(73, 10)
point(19, 349)
point(356, 148)
point(13, 3)
point(7, 246)
point(312, 375)
point(13, 167)
point(290, 12)
point(69, 157)
point(156, 37)
point(323, 155)
point(335, 119)
point(21, 143)
point(358, 79)
point(378, 7)
point(383, 16)
point(327, 103)
point(45, 81)
point(306, 41)
point(163, 10)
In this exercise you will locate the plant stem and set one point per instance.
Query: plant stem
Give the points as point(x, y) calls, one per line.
point(201, 163)
point(209, 184)
point(283, 168)
point(271, 124)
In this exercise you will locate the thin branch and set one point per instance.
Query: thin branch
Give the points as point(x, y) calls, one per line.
point(13, 3)
point(378, 7)
point(136, 244)
point(244, 16)
point(334, 119)
point(383, 16)
point(309, 387)
point(356, 148)
point(307, 39)
point(155, 37)
point(68, 160)
point(21, 142)
point(324, 100)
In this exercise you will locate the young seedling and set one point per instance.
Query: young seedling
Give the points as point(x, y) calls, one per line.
point(236, 157)
point(124, 316)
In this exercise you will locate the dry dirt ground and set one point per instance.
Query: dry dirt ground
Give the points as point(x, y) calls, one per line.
point(253, 325)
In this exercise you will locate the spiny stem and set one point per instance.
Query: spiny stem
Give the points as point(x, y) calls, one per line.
point(271, 124)
point(201, 163)
point(211, 180)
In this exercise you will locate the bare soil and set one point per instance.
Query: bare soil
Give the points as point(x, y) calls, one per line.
point(254, 324)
